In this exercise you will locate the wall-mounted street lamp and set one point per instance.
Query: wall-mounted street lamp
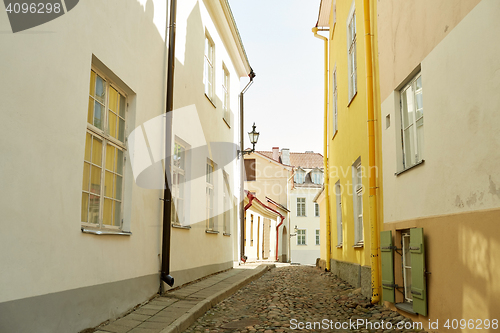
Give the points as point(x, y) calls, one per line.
point(295, 230)
point(254, 137)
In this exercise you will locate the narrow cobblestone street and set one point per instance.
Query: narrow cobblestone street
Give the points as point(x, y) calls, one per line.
point(288, 298)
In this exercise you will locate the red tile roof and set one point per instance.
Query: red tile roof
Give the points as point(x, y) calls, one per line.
point(305, 160)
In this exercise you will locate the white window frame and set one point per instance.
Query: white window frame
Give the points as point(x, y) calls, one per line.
point(317, 177)
point(351, 53)
point(301, 237)
point(106, 139)
point(338, 197)
point(317, 237)
point(301, 206)
point(316, 209)
point(211, 205)
point(335, 99)
point(357, 196)
point(299, 177)
point(412, 132)
point(225, 96)
point(209, 75)
point(405, 242)
point(178, 187)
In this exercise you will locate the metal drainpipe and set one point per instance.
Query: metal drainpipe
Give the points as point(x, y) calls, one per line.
point(242, 170)
point(167, 195)
point(325, 154)
point(371, 159)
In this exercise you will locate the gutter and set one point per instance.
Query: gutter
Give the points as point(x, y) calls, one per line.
point(371, 158)
point(167, 195)
point(242, 170)
point(325, 153)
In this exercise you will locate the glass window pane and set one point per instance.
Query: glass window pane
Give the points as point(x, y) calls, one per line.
point(96, 151)
point(110, 157)
point(100, 92)
point(420, 138)
point(404, 109)
point(92, 83)
point(108, 184)
point(419, 82)
point(117, 214)
point(90, 114)
point(94, 209)
point(95, 180)
point(107, 216)
point(98, 115)
point(119, 162)
point(121, 129)
point(113, 98)
point(85, 207)
point(86, 176)
point(420, 107)
point(409, 144)
point(88, 145)
point(112, 124)
point(122, 106)
point(118, 187)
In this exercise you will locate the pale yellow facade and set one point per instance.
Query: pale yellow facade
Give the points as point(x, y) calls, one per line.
point(453, 193)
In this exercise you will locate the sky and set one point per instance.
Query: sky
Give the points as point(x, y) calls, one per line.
point(286, 98)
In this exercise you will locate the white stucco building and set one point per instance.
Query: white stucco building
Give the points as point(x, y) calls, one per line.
point(83, 99)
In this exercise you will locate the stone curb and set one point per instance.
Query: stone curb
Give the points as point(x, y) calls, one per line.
point(184, 321)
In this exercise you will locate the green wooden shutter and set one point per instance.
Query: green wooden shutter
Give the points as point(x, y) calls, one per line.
point(418, 285)
point(387, 253)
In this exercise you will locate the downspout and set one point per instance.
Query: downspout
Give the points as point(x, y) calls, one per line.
point(277, 234)
point(371, 158)
point(242, 170)
point(167, 195)
point(325, 154)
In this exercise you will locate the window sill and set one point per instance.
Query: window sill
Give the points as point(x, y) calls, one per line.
point(226, 122)
point(409, 168)
point(106, 232)
point(339, 246)
point(210, 100)
point(359, 245)
point(225, 234)
point(352, 99)
point(211, 232)
point(178, 226)
point(335, 134)
point(406, 307)
point(301, 244)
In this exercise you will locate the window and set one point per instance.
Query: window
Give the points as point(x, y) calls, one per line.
point(250, 169)
point(357, 196)
point(178, 179)
point(316, 209)
point(210, 192)
point(227, 205)
point(301, 206)
point(299, 177)
point(351, 53)
point(339, 213)
point(317, 236)
point(412, 122)
point(102, 185)
point(301, 237)
point(317, 177)
point(405, 240)
point(251, 230)
point(225, 97)
point(334, 82)
point(407, 270)
point(209, 68)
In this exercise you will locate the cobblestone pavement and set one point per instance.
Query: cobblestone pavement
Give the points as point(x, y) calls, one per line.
point(286, 299)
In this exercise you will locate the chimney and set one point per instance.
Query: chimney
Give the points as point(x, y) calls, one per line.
point(285, 156)
point(276, 153)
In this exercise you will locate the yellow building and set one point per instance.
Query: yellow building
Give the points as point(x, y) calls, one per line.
point(351, 203)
